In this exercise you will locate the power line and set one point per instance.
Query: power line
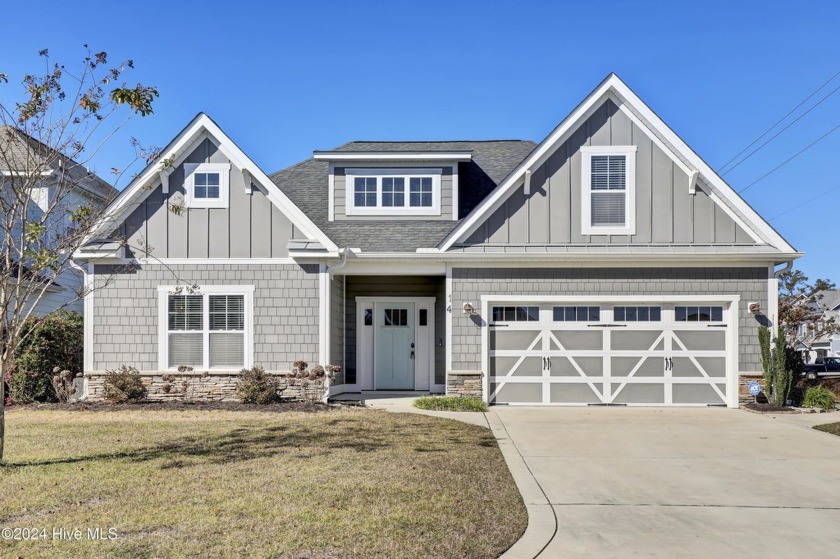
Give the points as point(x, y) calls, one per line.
point(789, 159)
point(796, 207)
point(779, 121)
point(774, 136)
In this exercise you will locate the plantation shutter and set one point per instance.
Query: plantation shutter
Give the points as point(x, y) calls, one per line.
point(227, 331)
point(608, 190)
point(186, 321)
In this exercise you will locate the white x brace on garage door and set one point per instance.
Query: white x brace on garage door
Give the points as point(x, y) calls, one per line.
point(625, 350)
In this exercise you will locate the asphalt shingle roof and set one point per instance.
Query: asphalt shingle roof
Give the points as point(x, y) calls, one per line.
point(306, 184)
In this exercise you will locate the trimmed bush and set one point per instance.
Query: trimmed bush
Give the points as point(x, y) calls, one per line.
point(124, 385)
point(255, 386)
point(56, 341)
point(450, 403)
point(819, 397)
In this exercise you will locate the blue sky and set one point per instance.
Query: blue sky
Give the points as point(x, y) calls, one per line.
point(284, 78)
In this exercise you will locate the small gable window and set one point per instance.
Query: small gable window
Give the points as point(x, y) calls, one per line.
point(608, 190)
point(207, 184)
point(393, 191)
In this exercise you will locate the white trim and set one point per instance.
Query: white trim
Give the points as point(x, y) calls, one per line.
point(223, 170)
point(629, 154)
point(455, 187)
point(606, 298)
point(142, 186)
point(448, 309)
point(246, 177)
point(212, 261)
point(351, 209)
point(89, 284)
point(527, 186)
point(772, 297)
point(331, 193)
point(163, 321)
point(324, 314)
point(391, 156)
point(686, 159)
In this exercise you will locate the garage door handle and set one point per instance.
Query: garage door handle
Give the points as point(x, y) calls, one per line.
point(716, 326)
point(607, 325)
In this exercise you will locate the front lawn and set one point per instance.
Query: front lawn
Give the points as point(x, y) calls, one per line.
point(196, 483)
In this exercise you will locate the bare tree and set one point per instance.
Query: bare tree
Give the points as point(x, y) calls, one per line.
point(49, 201)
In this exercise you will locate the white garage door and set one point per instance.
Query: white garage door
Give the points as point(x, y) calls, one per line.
point(622, 352)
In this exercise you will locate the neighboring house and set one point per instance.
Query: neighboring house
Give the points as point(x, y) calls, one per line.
point(608, 264)
point(64, 186)
point(815, 337)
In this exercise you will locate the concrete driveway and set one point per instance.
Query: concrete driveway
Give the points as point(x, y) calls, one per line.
point(677, 483)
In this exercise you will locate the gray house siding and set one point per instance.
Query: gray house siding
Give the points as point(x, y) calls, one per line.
point(469, 284)
point(250, 227)
point(395, 286)
point(125, 311)
point(665, 211)
point(446, 192)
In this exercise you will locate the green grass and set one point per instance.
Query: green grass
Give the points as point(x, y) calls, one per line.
point(450, 403)
point(833, 428)
point(342, 483)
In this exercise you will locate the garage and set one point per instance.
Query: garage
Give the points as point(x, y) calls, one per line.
point(650, 351)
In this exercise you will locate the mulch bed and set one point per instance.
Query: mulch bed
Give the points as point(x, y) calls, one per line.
point(769, 408)
point(281, 407)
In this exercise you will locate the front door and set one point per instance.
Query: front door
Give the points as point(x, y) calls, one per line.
point(394, 346)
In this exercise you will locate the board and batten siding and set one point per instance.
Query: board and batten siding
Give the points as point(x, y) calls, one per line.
point(665, 211)
point(340, 186)
point(469, 284)
point(250, 227)
point(125, 311)
point(395, 286)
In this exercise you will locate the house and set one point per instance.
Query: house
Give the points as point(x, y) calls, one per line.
point(608, 264)
point(818, 336)
point(64, 184)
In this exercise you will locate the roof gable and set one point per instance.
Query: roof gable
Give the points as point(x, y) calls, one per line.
point(200, 128)
point(694, 168)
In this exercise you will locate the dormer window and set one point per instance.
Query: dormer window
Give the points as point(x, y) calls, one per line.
point(207, 184)
point(393, 191)
point(608, 184)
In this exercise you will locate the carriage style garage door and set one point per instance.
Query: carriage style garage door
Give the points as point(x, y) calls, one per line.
point(625, 351)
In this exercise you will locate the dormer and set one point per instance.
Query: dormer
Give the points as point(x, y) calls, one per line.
point(393, 185)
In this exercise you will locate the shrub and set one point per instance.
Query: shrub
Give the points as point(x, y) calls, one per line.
point(255, 386)
point(124, 385)
point(451, 403)
point(819, 397)
point(55, 341)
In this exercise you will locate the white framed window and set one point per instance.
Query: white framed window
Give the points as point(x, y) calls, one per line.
point(608, 190)
point(207, 184)
point(393, 191)
point(212, 328)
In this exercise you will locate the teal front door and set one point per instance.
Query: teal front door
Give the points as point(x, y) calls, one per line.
point(394, 346)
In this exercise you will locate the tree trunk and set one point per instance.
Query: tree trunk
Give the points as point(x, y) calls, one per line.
point(2, 407)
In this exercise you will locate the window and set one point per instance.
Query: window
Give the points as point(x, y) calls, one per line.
point(393, 191)
point(608, 183)
point(208, 330)
point(206, 184)
point(698, 314)
point(516, 314)
point(577, 314)
point(637, 314)
point(396, 317)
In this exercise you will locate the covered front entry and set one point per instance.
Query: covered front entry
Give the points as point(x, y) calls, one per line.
point(395, 342)
point(591, 351)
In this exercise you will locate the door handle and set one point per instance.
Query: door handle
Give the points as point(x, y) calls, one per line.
point(549, 363)
point(412, 354)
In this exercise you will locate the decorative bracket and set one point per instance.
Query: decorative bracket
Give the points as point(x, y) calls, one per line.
point(692, 182)
point(246, 176)
point(527, 182)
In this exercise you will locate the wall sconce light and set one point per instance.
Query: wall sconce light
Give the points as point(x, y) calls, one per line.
point(754, 308)
point(468, 308)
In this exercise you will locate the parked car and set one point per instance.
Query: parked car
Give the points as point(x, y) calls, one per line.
point(821, 367)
